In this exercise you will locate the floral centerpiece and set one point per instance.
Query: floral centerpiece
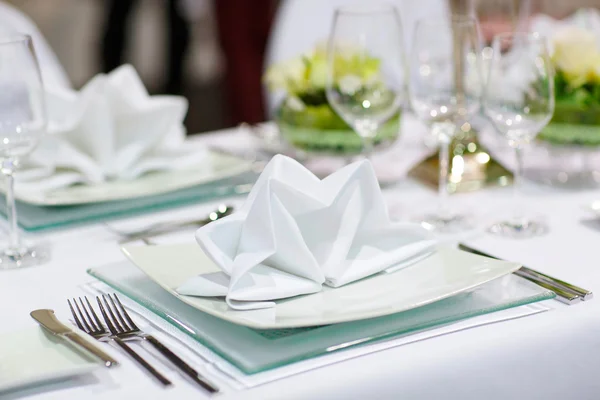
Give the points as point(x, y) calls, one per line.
point(305, 118)
point(576, 58)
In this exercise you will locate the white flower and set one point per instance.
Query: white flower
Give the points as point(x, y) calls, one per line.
point(294, 103)
point(576, 54)
point(350, 84)
point(318, 73)
point(288, 75)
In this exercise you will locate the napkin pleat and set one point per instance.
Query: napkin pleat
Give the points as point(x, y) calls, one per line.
point(369, 258)
point(334, 235)
point(288, 240)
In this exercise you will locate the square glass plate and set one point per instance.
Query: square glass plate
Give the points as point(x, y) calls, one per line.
point(33, 217)
point(34, 356)
point(257, 350)
point(445, 273)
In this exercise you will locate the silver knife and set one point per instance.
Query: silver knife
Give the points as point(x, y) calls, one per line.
point(47, 319)
point(567, 291)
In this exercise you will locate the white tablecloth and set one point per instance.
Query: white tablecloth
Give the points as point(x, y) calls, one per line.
point(552, 355)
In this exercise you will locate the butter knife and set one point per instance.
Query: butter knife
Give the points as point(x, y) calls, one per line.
point(567, 291)
point(47, 319)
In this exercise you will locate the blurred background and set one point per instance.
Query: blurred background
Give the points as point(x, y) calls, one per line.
point(202, 49)
point(210, 51)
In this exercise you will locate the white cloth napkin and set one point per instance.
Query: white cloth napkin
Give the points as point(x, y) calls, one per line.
point(296, 232)
point(110, 129)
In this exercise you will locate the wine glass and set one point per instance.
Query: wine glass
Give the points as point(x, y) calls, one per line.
point(22, 123)
point(519, 101)
point(366, 68)
point(445, 93)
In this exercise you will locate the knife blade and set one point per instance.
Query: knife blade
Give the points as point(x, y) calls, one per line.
point(47, 319)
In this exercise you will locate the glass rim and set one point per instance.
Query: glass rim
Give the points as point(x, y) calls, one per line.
point(362, 9)
point(14, 38)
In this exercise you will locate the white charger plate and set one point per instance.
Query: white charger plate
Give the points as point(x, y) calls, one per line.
point(154, 183)
point(445, 273)
point(33, 356)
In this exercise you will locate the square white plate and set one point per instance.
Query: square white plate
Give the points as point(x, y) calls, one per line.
point(34, 356)
point(153, 183)
point(445, 273)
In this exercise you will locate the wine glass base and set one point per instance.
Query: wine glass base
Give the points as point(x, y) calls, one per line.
point(26, 256)
point(519, 229)
point(451, 223)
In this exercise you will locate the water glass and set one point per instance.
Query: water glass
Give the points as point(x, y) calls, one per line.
point(445, 93)
point(519, 101)
point(22, 123)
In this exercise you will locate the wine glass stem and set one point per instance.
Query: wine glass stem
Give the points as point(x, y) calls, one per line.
point(518, 184)
point(367, 142)
point(14, 241)
point(444, 161)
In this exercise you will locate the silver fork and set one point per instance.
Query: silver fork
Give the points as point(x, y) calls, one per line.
point(91, 324)
point(127, 330)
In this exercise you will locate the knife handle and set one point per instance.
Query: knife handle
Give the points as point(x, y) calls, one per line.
point(78, 340)
point(561, 295)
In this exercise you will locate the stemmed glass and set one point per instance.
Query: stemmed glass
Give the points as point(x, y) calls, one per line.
point(22, 123)
point(519, 101)
point(445, 93)
point(366, 69)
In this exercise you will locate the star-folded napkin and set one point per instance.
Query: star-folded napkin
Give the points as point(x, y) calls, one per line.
point(296, 233)
point(110, 129)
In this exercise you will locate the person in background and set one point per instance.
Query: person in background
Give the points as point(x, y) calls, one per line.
point(114, 39)
point(244, 28)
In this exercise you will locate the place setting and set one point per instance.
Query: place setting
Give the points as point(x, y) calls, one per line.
point(140, 260)
point(111, 150)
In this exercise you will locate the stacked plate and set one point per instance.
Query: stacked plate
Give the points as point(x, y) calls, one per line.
point(81, 204)
point(446, 287)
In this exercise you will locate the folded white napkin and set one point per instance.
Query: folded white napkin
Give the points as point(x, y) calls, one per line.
point(110, 129)
point(296, 232)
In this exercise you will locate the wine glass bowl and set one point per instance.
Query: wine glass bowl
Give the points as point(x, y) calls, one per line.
point(366, 68)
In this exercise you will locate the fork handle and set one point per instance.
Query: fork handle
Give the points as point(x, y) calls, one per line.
point(142, 362)
point(182, 365)
point(95, 350)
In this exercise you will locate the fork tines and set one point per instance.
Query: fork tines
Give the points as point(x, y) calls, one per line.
point(89, 323)
point(116, 316)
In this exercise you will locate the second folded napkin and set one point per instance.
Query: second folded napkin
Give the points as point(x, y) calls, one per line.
point(111, 129)
point(296, 232)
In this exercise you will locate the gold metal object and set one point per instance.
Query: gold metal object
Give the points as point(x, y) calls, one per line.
point(472, 167)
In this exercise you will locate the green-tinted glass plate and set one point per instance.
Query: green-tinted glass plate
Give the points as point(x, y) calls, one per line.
point(35, 218)
point(253, 350)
